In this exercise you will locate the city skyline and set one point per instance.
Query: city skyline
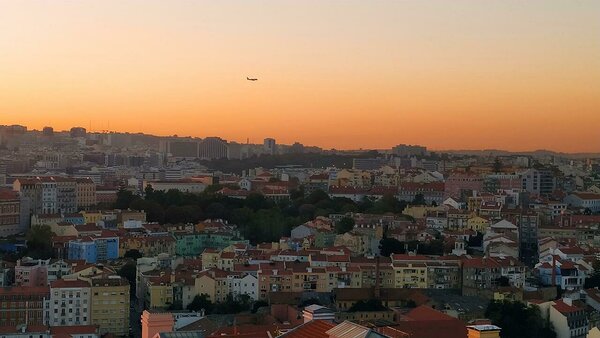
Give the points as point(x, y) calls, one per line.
point(461, 75)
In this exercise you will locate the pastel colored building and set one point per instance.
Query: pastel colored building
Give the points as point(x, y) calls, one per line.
point(94, 248)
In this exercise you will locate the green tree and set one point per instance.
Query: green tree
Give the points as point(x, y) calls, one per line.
point(388, 246)
point(519, 320)
point(128, 271)
point(201, 302)
point(419, 200)
point(39, 242)
point(134, 254)
point(344, 225)
point(124, 199)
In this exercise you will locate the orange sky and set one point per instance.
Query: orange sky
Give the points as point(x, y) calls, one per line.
point(516, 75)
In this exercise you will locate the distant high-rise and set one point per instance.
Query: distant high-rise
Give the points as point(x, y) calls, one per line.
point(183, 148)
point(48, 131)
point(403, 150)
point(270, 145)
point(78, 132)
point(212, 148)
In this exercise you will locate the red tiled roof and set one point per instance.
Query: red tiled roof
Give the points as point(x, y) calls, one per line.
point(81, 329)
point(563, 307)
point(63, 283)
point(312, 329)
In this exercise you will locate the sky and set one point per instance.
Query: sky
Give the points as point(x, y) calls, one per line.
point(494, 74)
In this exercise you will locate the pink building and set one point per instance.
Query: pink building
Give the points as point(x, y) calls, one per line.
point(31, 272)
point(156, 322)
point(460, 183)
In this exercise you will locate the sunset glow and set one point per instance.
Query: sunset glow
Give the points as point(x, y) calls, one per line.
point(510, 75)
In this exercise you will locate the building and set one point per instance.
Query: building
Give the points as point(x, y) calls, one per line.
point(154, 323)
point(405, 150)
point(110, 305)
point(482, 275)
point(31, 272)
point(22, 305)
point(69, 303)
point(86, 193)
point(567, 316)
point(270, 146)
point(66, 195)
point(182, 185)
point(212, 148)
point(538, 182)
point(95, 248)
point(10, 213)
point(483, 331)
point(584, 200)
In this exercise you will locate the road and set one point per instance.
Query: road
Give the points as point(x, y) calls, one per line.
point(135, 313)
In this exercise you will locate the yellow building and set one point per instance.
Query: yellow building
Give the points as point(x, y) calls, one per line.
point(110, 305)
point(483, 331)
point(149, 246)
point(352, 241)
point(63, 229)
point(410, 275)
point(213, 283)
point(86, 193)
point(159, 292)
point(210, 258)
point(91, 216)
point(310, 279)
point(477, 223)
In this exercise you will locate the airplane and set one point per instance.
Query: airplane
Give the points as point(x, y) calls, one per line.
point(250, 79)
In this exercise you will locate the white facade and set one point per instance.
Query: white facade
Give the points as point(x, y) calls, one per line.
point(69, 304)
point(246, 285)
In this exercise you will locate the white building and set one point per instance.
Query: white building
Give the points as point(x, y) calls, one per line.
point(243, 285)
point(69, 303)
point(586, 200)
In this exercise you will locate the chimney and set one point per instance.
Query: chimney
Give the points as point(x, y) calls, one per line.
point(553, 270)
point(377, 290)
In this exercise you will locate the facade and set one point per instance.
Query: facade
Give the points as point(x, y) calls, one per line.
point(10, 213)
point(538, 182)
point(93, 249)
point(110, 305)
point(69, 303)
point(584, 200)
point(482, 275)
point(193, 244)
point(212, 148)
point(85, 193)
point(31, 272)
point(66, 195)
point(23, 305)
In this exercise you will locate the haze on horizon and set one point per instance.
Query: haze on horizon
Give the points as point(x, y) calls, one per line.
point(458, 74)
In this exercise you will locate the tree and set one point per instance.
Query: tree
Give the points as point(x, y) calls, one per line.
point(39, 242)
point(593, 281)
point(134, 254)
point(128, 271)
point(344, 225)
point(201, 302)
point(519, 320)
point(419, 200)
point(124, 199)
point(388, 246)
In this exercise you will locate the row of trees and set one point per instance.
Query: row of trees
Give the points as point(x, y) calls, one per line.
point(259, 218)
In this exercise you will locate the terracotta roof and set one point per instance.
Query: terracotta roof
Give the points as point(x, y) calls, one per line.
point(81, 329)
point(564, 308)
point(63, 283)
point(312, 329)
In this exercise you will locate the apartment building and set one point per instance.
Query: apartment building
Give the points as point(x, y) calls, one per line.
point(110, 304)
